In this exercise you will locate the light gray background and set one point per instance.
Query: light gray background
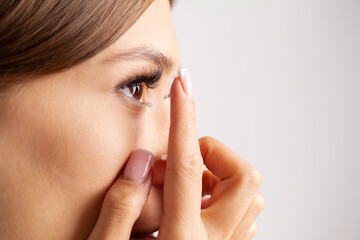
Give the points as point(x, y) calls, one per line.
point(279, 82)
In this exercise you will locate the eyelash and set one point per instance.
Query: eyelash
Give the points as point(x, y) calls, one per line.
point(151, 80)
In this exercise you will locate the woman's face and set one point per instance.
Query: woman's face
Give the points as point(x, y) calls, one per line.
point(65, 137)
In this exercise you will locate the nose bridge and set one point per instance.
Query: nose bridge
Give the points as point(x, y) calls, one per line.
point(156, 130)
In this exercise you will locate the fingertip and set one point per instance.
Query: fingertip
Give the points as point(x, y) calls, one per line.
point(183, 130)
point(182, 84)
point(186, 82)
point(139, 165)
point(176, 89)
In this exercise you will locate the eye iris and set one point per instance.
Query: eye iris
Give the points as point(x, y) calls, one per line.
point(137, 91)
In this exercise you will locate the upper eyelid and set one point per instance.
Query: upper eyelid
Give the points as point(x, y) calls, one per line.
point(142, 77)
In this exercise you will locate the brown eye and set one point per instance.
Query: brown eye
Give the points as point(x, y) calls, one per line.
point(135, 91)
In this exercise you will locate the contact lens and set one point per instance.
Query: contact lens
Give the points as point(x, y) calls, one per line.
point(168, 88)
point(173, 77)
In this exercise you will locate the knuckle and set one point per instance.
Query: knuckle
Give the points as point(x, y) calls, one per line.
point(259, 202)
point(208, 141)
point(252, 176)
point(191, 165)
point(123, 201)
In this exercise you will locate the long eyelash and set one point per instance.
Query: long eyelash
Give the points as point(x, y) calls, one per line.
point(150, 78)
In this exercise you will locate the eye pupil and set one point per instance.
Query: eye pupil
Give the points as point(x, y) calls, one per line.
point(136, 91)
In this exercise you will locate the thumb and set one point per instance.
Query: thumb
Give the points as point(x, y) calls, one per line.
point(125, 199)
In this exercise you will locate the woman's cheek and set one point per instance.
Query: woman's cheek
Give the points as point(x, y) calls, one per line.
point(74, 142)
point(97, 144)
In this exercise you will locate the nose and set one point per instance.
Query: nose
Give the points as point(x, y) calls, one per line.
point(154, 136)
point(157, 128)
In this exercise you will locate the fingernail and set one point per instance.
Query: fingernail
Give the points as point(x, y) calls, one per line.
point(139, 165)
point(168, 88)
point(186, 81)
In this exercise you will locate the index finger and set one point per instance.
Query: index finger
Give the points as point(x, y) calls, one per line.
point(184, 167)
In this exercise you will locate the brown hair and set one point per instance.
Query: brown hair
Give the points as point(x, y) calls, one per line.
point(44, 36)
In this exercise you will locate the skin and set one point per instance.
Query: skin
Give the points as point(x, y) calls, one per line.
point(65, 137)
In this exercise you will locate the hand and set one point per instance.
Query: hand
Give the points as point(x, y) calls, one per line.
point(233, 183)
point(125, 199)
point(234, 204)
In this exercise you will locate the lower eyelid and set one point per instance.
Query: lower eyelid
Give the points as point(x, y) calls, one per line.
point(131, 104)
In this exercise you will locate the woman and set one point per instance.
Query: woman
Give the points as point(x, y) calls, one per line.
point(85, 130)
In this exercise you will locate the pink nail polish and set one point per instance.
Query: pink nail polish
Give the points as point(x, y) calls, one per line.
point(186, 81)
point(139, 165)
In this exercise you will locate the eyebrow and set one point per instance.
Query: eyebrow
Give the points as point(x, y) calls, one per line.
point(164, 63)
